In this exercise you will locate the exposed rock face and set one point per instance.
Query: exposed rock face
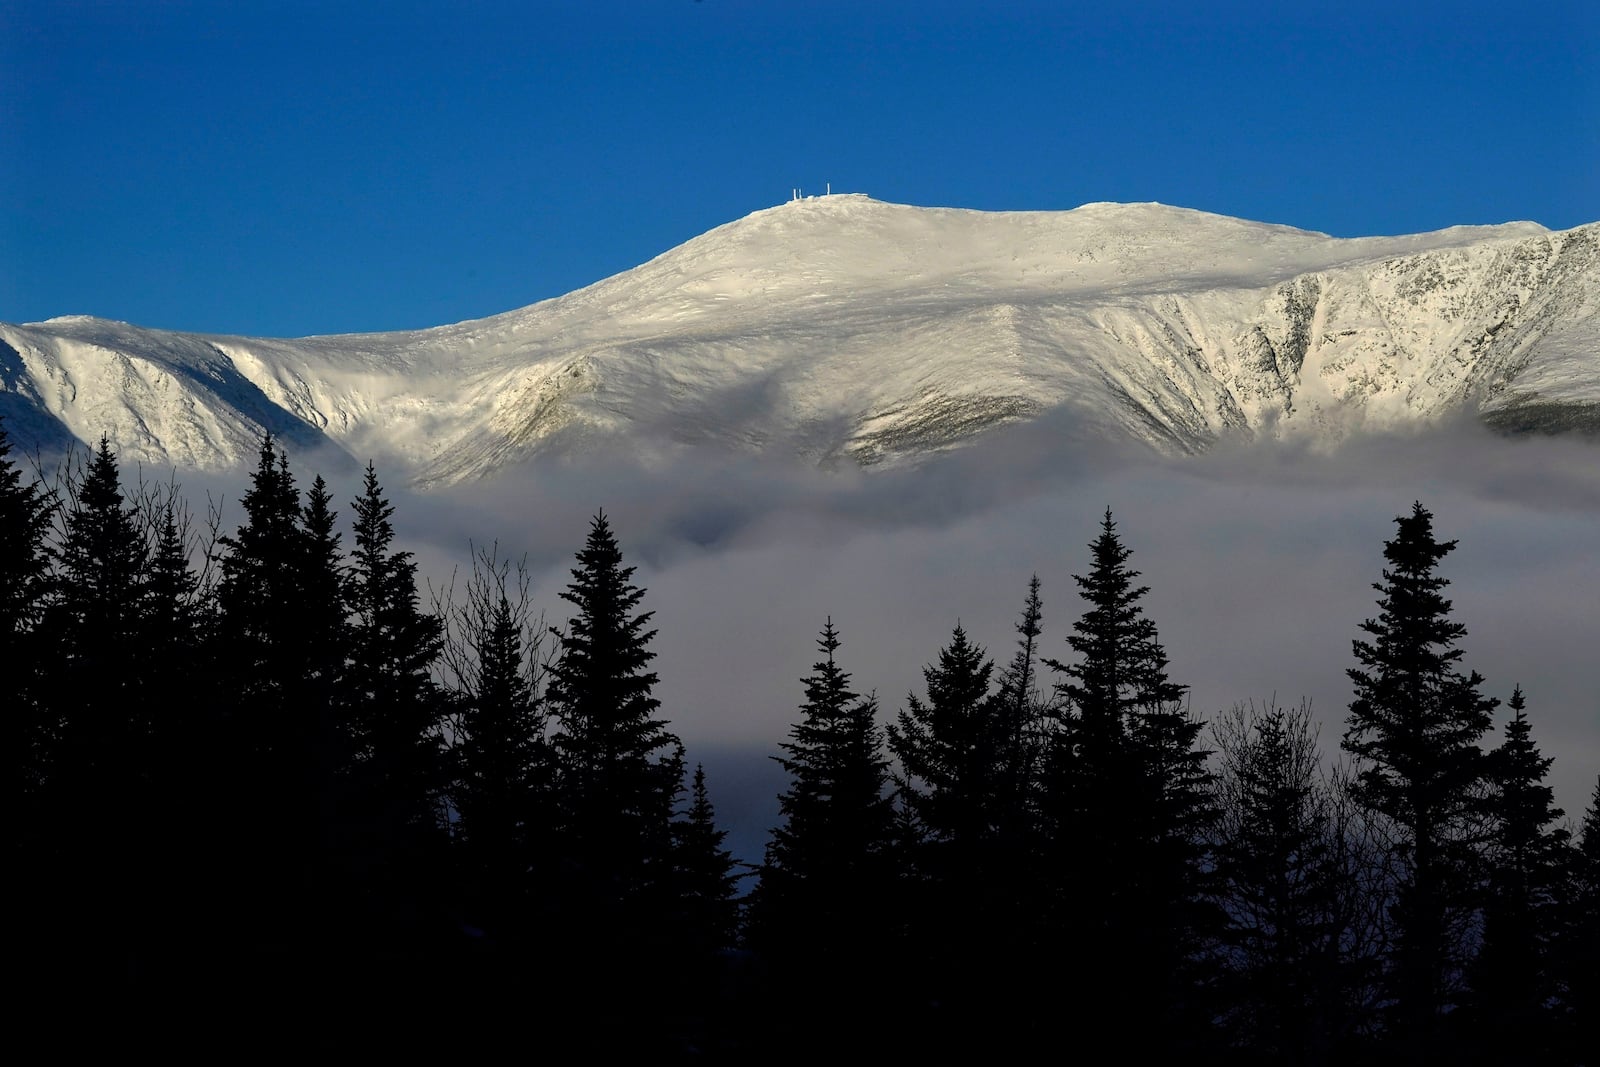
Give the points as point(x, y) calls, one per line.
point(842, 329)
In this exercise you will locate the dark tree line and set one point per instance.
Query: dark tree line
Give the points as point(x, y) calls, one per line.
point(253, 759)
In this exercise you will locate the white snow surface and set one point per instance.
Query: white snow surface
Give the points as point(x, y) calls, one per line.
point(846, 330)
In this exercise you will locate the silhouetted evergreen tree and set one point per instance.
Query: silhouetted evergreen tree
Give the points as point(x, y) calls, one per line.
point(952, 744)
point(703, 999)
point(108, 699)
point(24, 574)
point(620, 767)
point(503, 789)
point(24, 550)
point(1127, 809)
point(322, 643)
point(395, 715)
point(1024, 714)
point(1580, 941)
point(959, 750)
point(178, 691)
point(820, 912)
point(1019, 683)
point(102, 793)
point(1415, 725)
point(1177, 809)
point(281, 648)
point(707, 881)
point(170, 615)
point(1091, 772)
point(259, 594)
point(96, 619)
point(1030, 720)
point(1515, 978)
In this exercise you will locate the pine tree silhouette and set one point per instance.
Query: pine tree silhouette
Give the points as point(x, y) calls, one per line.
point(952, 745)
point(1580, 942)
point(95, 620)
point(178, 686)
point(394, 715)
point(1515, 975)
point(504, 772)
point(281, 648)
point(822, 909)
point(102, 791)
point(620, 767)
point(959, 751)
point(1415, 725)
point(1023, 713)
point(24, 577)
point(24, 551)
point(707, 879)
point(1128, 809)
point(394, 644)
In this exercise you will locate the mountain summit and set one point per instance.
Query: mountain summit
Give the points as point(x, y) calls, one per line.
point(844, 329)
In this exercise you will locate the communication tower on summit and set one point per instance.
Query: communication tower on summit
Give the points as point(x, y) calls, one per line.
point(799, 194)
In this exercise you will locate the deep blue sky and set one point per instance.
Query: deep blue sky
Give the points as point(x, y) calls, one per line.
point(294, 168)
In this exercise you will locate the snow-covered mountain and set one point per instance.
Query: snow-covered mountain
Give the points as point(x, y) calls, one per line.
point(843, 329)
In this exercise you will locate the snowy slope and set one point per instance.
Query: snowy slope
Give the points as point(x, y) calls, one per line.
point(843, 329)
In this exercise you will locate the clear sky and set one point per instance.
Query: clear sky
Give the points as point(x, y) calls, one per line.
point(293, 168)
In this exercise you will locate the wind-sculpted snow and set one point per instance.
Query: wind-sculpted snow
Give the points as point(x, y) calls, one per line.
point(847, 331)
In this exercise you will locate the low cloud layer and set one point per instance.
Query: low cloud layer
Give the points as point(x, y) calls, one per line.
point(1259, 559)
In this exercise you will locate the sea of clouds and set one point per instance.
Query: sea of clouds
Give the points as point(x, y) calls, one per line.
point(1259, 557)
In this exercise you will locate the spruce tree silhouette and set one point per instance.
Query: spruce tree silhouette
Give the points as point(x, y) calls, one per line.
point(173, 620)
point(395, 718)
point(1580, 942)
point(171, 614)
point(262, 576)
point(951, 745)
point(707, 879)
point(620, 767)
point(1515, 977)
point(1023, 712)
point(24, 551)
point(958, 751)
point(24, 579)
point(102, 793)
point(705, 999)
point(394, 643)
point(95, 620)
point(1128, 809)
point(503, 767)
point(281, 648)
point(1415, 725)
point(821, 910)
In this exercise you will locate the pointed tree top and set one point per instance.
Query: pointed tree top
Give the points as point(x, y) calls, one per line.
point(828, 639)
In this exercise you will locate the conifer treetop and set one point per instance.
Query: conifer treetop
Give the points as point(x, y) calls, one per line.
point(1415, 720)
point(1121, 666)
point(622, 767)
point(1591, 825)
point(602, 590)
point(834, 755)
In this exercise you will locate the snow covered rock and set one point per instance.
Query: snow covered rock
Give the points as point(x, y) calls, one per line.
point(845, 330)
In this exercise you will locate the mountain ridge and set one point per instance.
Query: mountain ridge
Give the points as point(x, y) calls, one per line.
point(845, 329)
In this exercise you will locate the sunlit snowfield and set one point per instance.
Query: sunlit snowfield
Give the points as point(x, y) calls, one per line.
point(848, 330)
